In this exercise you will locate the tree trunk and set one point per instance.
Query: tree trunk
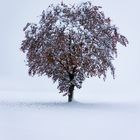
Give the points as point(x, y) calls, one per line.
point(70, 95)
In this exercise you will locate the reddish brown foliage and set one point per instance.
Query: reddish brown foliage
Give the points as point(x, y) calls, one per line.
point(71, 43)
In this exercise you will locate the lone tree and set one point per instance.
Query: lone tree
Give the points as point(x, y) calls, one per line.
point(70, 43)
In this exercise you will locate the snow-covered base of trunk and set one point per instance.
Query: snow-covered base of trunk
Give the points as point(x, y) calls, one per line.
point(41, 116)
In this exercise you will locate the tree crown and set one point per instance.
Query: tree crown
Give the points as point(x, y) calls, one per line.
point(71, 43)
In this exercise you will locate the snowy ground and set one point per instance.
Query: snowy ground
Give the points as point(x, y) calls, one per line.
point(37, 116)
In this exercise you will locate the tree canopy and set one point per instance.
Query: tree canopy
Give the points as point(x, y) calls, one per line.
point(70, 43)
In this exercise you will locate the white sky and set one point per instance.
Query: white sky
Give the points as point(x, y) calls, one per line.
point(13, 73)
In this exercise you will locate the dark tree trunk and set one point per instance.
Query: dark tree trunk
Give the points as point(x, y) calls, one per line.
point(70, 95)
point(71, 88)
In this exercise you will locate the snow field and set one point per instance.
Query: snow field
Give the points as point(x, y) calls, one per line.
point(33, 116)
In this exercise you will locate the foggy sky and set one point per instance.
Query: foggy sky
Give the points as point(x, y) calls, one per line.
point(13, 70)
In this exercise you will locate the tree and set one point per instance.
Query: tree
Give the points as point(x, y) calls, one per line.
point(70, 43)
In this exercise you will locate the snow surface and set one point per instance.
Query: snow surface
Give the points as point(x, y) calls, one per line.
point(42, 116)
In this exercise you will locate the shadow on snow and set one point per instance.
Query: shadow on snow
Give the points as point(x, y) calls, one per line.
point(72, 105)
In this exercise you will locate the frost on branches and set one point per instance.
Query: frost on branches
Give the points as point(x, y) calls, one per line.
point(71, 43)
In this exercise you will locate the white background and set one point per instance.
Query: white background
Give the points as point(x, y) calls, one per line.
point(32, 109)
point(14, 74)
